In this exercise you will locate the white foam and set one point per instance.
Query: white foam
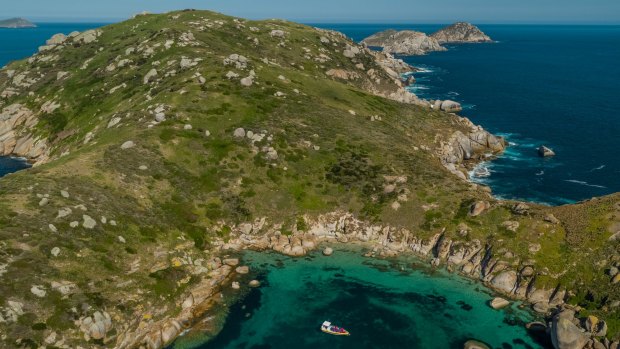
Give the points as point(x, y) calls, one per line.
point(598, 168)
point(424, 70)
point(542, 172)
point(585, 183)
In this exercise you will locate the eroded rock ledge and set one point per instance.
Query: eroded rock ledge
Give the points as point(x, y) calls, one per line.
point(16, 136)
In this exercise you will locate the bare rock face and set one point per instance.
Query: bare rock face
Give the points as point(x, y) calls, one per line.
point(473, 344)
point(15, 123)
point(565, 334)
point(545, 152)
point(478, 208)
point(87, 37)
point(451, 106)
point(96, 326)
point(505, 281)
point(499, 303)
point(460, 32)
point(406, 42)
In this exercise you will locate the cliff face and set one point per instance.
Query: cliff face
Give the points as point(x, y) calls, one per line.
point(460, 32)
point(406, 42)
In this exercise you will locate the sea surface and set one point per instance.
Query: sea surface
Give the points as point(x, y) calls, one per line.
point(384, 304)
point(537, 85)
point(552, 85)
point(21, 43)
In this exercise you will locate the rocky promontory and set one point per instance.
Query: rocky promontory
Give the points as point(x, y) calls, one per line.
point(460, 32)
point(16, 23)
point(167, 139)
point(412, 43)
point(406, 42)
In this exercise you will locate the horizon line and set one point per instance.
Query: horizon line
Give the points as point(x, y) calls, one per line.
point(335, 21)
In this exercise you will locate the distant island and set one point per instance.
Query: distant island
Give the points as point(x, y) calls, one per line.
point(409, 42)
point(16, 23)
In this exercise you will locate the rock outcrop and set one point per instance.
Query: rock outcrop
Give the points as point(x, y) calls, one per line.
point(473, 145)
point(545, 152)
point(565, 334)
point(16, 138)
point(406, 42)
point(460, 32)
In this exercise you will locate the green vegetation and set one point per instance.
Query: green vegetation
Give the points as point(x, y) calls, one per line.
point(179, 190)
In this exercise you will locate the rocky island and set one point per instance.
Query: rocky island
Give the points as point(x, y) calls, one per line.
point(411, 43)
point(16, 23)
point(165, 144)
point(460, 32)
point(405, 42)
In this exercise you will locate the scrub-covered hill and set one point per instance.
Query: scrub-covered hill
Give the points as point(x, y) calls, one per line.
point(162, 141)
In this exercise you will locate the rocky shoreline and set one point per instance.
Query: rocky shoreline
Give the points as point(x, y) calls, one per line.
point(474, 259)
point(410, 42)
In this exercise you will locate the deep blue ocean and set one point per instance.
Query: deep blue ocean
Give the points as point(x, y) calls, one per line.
point(552, 85)
point(21, 43)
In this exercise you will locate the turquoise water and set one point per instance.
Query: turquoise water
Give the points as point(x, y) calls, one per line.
point(552, 85)
point(384, 304)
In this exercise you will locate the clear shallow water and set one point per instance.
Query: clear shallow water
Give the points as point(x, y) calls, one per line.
point(383, 304)
point(552, 85)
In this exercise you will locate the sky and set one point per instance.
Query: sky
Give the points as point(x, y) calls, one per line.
point(312, 11)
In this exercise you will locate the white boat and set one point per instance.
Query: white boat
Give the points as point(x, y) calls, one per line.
point(327, 327)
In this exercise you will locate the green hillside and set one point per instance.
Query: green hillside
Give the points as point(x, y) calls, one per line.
point(159, 139)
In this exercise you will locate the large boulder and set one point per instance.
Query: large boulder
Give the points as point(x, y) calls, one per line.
point(328, 251)
point(406, 42)
point(499, 303)
point(478, 208)
point(505, 281)
point(545, 152)
point(565, 334)
point(56, 39)
point(451, 106)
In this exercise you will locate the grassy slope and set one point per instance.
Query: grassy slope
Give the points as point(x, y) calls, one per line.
point(197, 187)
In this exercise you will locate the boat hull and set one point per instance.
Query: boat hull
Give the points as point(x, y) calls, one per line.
point(345, 333)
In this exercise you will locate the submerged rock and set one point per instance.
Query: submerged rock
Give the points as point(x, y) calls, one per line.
point(328, 251)
point(499, 303)
point(451, 106)
point(505, 281)
point(474, 344)
point(478, 208)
